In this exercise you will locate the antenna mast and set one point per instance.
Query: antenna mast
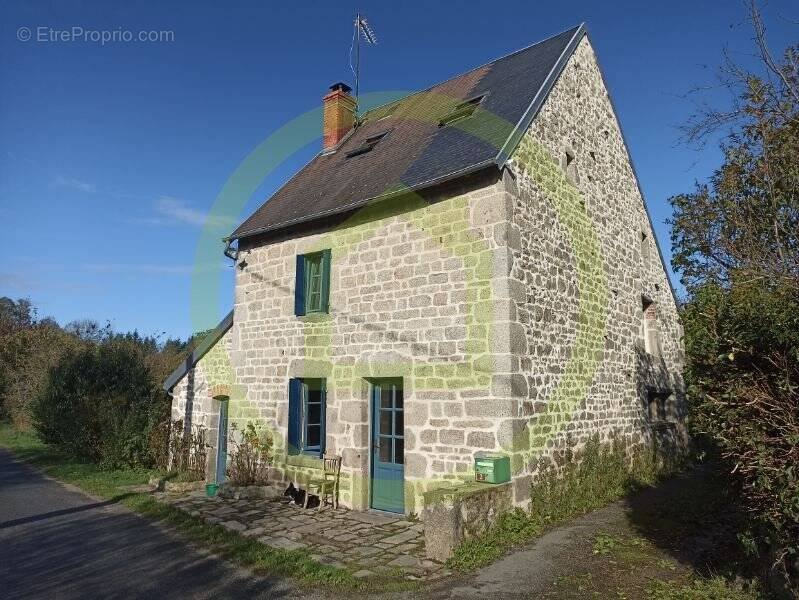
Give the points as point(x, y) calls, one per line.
point(357, 58)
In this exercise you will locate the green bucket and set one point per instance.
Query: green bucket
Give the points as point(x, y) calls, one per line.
point(211, 489)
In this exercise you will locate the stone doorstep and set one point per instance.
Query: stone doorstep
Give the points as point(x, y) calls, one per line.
point(372, 518)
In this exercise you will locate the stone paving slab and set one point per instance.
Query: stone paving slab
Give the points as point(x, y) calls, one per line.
point(366, 543)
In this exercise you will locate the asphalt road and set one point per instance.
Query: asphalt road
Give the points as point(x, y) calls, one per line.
point(59, 543)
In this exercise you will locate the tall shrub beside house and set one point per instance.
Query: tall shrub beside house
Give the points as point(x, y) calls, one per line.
point(102, 404)
point(736, 245)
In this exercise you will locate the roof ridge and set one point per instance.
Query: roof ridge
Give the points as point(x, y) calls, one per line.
point(472, 70)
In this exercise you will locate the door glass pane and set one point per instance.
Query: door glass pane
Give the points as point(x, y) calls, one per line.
point(385, 397)
point(399, 451)
point(385, 422)
point(399, 423)
point(385, 449)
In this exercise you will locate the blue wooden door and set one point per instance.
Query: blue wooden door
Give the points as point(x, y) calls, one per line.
point(388, 446)
point(221, 446)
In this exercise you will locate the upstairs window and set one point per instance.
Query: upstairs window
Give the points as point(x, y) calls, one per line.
point(368, 145)
point(312, 285)
point(463, 110)
point(307, 409)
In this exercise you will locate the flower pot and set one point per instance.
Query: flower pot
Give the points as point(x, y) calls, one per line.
point(211, 489)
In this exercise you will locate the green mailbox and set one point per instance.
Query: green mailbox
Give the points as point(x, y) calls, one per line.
point(491, 468)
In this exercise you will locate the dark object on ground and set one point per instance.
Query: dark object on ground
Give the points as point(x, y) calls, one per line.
point(298, 497)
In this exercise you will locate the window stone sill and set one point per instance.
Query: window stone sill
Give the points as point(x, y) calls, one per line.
point(315, 317)
point(304, 460)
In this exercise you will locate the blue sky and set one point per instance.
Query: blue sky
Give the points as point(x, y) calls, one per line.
point(111, 155)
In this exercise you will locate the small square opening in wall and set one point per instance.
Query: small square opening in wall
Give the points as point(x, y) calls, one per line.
point(569, 166)
point(644, 248)
point(660, 406)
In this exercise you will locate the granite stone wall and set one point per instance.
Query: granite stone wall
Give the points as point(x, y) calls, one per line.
point(584, 265)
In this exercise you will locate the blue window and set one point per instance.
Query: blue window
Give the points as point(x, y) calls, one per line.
point(306, 430)
point(312, 284)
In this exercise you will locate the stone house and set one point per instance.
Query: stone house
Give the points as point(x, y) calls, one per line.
point(471, 268)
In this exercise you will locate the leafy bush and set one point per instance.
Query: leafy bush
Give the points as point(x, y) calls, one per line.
point(743, 348)
point(179, 452)
point(250, 455)
point(102, 404)
point(29, 347)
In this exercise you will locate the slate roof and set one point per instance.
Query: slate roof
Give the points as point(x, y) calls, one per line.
point(417, 152)
point(201, 350)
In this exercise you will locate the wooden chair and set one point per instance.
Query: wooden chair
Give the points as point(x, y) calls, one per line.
point(327, 484)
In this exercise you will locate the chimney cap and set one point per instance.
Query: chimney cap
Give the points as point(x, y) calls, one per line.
point(340, 86)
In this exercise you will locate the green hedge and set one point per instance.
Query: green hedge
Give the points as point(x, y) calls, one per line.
point(102, 403)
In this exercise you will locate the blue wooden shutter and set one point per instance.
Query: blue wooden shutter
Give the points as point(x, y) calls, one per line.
point(299, 286)
point(323, 418)
point(295, 401)
point(326, 280)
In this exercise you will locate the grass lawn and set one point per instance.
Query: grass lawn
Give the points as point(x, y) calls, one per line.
point(111, 484)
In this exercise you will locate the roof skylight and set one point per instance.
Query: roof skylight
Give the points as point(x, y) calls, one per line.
point(463, 110)
point(368, 144)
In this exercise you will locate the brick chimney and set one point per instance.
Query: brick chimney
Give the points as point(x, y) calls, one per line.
point(339, 114)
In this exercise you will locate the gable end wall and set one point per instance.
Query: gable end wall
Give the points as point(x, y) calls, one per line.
point(577, 257)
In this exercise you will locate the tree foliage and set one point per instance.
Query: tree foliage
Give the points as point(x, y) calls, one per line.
point(89, 391)
point(735, 243)
point(29, 348)
point(101, 403)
